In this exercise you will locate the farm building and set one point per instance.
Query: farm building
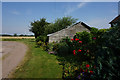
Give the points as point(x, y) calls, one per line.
point(115, 21)
point(69, 31)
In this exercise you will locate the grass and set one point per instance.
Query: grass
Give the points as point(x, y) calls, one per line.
point(37, 63)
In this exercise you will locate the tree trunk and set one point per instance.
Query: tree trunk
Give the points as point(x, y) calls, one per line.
point(35, 36)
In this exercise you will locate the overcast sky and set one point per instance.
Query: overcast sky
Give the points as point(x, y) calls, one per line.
point(16, 16)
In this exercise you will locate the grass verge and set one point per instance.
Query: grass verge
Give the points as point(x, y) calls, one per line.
point(37, 63)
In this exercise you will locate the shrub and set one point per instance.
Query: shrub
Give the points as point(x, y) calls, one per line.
point(39, 43)
point(82, 43)
point(98, 34)
point(55, 47)
point(81, 50)
point(51, 46)
point(84, 71)
point(45, 46)
point(84, 36)
point(107, 55)
point(42, 38)
point(85, 46)
point(63, 48)
point(67, 40)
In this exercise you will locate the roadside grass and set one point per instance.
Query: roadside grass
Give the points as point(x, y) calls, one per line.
point(37, 63)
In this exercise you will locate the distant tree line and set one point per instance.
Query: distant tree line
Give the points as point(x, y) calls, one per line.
point(15, 35)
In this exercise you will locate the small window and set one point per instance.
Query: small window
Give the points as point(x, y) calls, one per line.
point(115, 24)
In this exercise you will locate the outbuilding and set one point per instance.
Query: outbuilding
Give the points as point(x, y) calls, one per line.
point(70, 31)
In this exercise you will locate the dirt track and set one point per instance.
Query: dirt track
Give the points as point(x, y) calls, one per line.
point(12, 54)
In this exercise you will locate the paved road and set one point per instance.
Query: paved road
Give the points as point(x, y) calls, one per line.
point(12, 54)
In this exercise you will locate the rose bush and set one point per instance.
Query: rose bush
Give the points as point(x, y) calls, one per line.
point(78, 54)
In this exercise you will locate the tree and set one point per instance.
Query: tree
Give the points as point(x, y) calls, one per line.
point(60, 24)
point(49, 29)
point(15, 34)
point(38, 27)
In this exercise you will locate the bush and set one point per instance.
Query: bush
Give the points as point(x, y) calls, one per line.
point(45, 46)
point(63, 48)
point(42, 38)
point(98, 34)
point(84, 36)
point(99, 47)
point(80, 48)
point(40, 43)
point(107, 55)
point(84, 70)
point(66, 40)
point(56, 47)
point(82, 43)
point(50, 46)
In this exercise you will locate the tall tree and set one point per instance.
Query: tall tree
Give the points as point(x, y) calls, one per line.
point(38, 27)
point(64, 22)
point(59, 24)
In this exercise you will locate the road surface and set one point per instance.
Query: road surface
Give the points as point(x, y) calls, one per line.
point(12, 54)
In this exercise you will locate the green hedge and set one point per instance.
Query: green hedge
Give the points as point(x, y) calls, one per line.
point(108, 55)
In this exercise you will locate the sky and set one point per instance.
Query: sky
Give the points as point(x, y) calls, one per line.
point(17, 16)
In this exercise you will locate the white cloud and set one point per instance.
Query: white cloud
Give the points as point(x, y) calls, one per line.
point(69, 10)
point(15, 12)
point(72, 9)
point(81, 4)
point(27, 12)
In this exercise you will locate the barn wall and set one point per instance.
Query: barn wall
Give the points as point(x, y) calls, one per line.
point(70, 32)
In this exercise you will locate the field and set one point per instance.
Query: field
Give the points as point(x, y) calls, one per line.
point(37, 63)
point(8, 37)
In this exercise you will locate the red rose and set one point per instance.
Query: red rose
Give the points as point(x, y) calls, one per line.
point(91, 72)
point(76, 39)
point(74, 52)
point(72, 39)
point(81, 69)
point(95, 67)
point(80, 41)
point(86, 70)
point(87, 50)
point(94, 38)
point(87, 65)
point(79, 50)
